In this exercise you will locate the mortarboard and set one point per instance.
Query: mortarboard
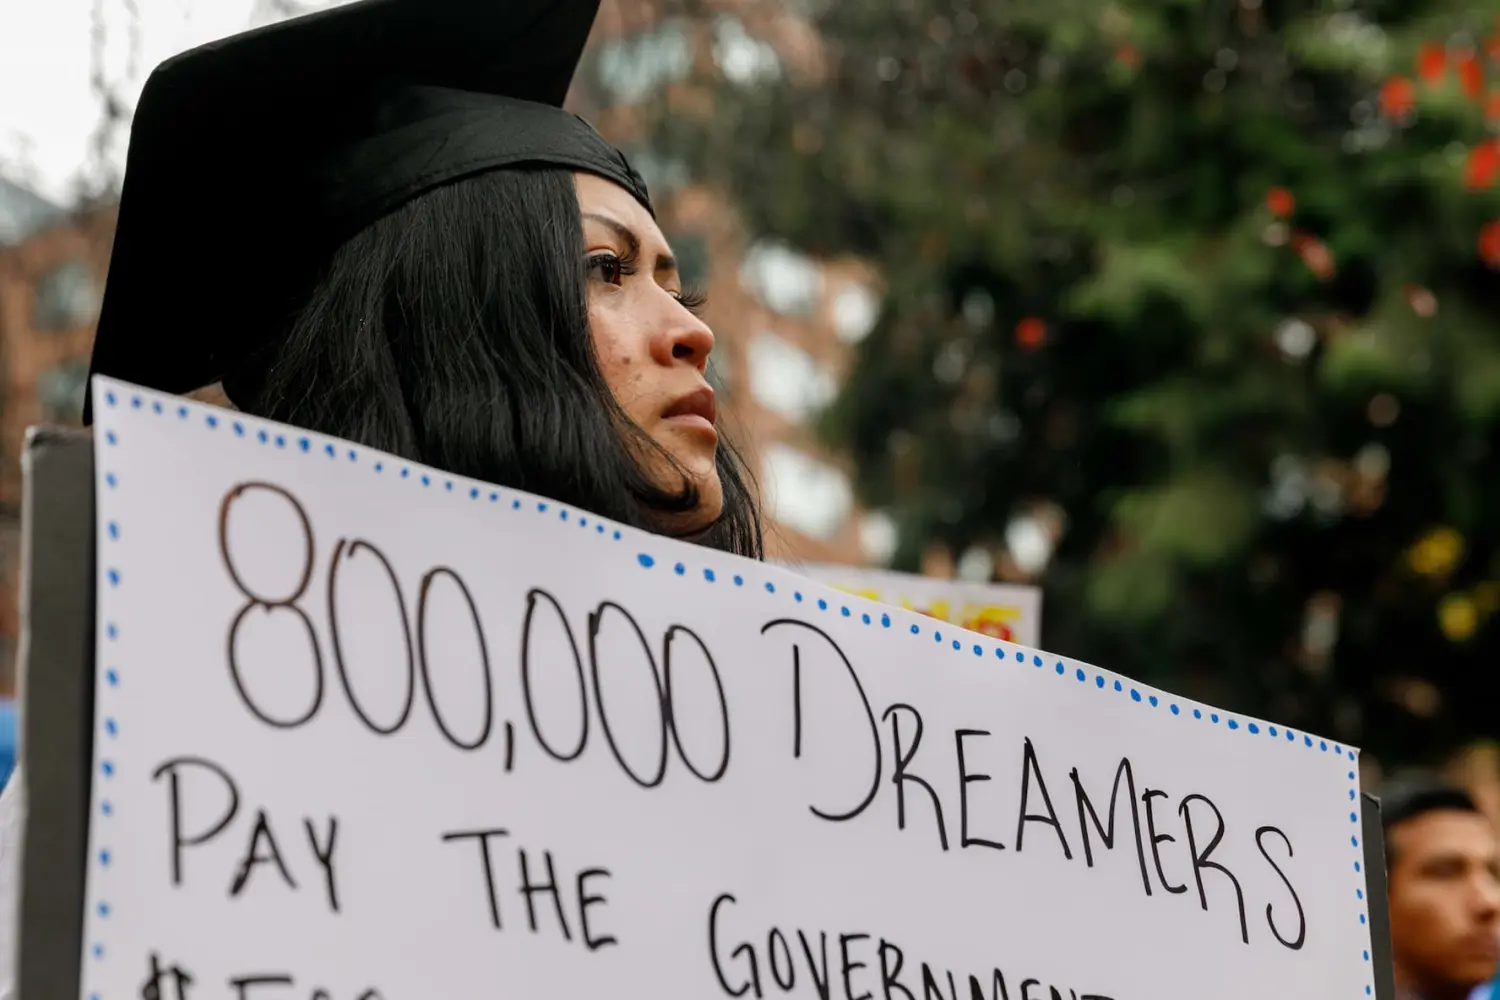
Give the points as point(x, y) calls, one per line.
point(252, 158)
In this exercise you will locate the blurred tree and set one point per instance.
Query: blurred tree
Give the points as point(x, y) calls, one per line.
point(110, 79)
point(1193, 314)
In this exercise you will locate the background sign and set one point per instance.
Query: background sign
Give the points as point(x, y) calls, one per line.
point(368, 731)
point(998, 610)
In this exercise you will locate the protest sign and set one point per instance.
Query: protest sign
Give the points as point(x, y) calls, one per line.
point(366, 730)
point(998, 610)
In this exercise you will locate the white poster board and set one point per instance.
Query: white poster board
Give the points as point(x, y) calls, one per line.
point(1005, 611)
point(369, 731)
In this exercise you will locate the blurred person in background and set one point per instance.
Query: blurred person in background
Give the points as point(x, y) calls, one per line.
point(1443, 859)
point(7, 739)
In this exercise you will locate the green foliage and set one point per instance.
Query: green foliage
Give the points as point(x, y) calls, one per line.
point(1247, 409)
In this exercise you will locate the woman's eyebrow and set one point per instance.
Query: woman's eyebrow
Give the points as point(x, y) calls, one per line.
point(665, 263)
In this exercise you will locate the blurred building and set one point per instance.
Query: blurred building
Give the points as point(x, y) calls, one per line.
point(52, 267)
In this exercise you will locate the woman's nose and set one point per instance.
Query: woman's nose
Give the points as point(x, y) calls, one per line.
point(685, 337)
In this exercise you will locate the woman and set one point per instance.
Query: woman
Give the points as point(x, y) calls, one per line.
point(526, 327)
point(411, 246)
point(415, 244)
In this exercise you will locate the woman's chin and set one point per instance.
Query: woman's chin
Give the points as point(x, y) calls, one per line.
point(688, 468)
point(710, 501)
point(710, 491)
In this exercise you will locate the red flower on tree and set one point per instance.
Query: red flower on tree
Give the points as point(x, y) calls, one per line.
point(1030, 333)
point(1471, 76)
point(1397, 97)
point(1489, 244)
point(1432, 62)
point(1315, 254)
point(1280, 201)
point(1483, 165)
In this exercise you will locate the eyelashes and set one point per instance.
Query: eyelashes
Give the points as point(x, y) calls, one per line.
point(613, 269)
point(693, 300)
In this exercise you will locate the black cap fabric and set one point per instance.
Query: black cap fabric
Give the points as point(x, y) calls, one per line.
point(251, 159)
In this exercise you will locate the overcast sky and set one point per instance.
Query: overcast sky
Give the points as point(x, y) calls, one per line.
point(47, 111)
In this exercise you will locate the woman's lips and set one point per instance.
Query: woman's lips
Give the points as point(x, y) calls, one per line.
point(696, 408)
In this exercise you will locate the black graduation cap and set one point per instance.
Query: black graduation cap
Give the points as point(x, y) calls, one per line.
point(253, 157)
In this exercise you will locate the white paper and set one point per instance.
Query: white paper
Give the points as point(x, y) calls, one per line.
point(12, 824)
point(413, 917)
point(1003, 611)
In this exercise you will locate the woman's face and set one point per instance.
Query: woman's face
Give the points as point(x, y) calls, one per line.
point(652, 348)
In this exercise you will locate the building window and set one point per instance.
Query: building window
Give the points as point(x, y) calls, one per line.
point(630, 69)
point(742, 58)
point(878, 537)
point(787, 281)
point(786, 380)
point(66, 298)
point(804, 493)
point(60, 392)
point(855, 310)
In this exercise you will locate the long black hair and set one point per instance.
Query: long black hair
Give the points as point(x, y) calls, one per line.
point(455, 332)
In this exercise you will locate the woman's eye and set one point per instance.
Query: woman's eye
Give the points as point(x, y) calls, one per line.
point(607, 267)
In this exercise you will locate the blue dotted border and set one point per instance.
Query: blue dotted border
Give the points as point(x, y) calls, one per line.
point(105, 710)
point(310, 444)
point(1355, 811)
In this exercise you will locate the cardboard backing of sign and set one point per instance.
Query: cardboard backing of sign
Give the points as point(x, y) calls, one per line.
point(57, 707)
point(57, 671)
